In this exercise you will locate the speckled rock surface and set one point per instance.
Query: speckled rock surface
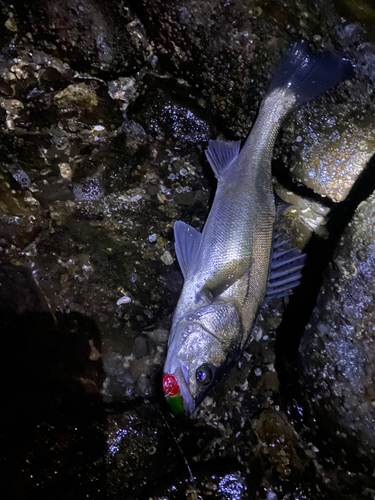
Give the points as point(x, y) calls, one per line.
point(21, 217)
point(336, 353)
point(329, 154)
point(93, 35)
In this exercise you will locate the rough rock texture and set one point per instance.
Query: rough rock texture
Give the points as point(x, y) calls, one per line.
point(94, 35)
point(215, 47)
point(328, 151)
point(21, 217)
point(336, 352)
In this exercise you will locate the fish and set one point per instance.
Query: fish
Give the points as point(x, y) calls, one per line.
point(239, 261)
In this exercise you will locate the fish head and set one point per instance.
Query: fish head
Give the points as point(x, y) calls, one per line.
point(203, 345)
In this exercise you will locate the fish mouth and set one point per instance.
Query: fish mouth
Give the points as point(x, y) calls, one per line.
point(181, 375)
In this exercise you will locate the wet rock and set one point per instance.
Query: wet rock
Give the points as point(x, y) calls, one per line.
point(36, 168)
point(279, 443)
point(140, 347)
point(142, 367)
point(19, 291)
point(214, 49)
point(113, 363)
point(11, 107)
point(170, 115)
point(159, 336)
point(330, 160)
point(14, 112)
point(123, 90)
point(5, 88)
point(229, 51)
point(88, 189)
point(82, 105)
point(99, 250)
point(326, 143)
point(78, 95)
point(226, 486)
point(336, 353)
point(107, 38)
point(233, 485)
point(21, 217)
point(60, 129)
point(50, 75)
point(362, 11)
point(140, 451)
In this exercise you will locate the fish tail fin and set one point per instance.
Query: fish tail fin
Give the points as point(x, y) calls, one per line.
point(307, 74)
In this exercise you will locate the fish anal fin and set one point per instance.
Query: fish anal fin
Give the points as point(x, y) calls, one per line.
point(187, 243)
point(221, 154)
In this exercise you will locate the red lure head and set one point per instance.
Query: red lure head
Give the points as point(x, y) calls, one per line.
point(170, 385)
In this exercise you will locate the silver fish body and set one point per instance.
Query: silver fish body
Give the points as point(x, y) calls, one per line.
point(227, 266)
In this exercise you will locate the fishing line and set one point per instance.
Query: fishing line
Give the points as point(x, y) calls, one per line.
point(192, 478)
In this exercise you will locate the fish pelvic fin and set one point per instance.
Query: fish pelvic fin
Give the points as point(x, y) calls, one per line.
point(280, 204)
point(187, 243)
point(309, 74)
point(221, 154)
point(285, 269)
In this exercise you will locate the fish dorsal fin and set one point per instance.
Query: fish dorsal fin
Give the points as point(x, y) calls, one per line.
point(285, 268)
point(187, 243)
point(221, 154)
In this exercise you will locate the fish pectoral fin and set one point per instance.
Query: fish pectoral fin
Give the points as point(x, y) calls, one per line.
point(285, 269)
point(187, 243)
point(224, 278)
point(221, 154)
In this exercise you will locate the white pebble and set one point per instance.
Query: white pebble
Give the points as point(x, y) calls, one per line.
point(136, 198)
point(123, 300)
point(167, 258)
point(65, 171)
point(257, 333)
point(271, 495)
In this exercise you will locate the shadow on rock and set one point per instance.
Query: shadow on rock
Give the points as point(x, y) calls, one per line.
point(52, 419)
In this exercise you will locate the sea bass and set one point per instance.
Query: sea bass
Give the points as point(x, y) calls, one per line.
point(237, 263)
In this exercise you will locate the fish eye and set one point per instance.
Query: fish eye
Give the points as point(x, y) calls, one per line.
point(204, 374)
